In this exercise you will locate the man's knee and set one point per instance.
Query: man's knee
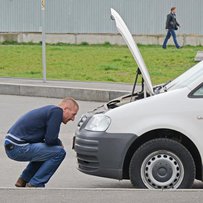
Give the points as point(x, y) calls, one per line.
point(61, 152)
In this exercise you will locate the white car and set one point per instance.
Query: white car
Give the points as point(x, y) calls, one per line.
point(153, 137)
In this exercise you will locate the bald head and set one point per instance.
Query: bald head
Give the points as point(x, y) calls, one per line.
point(70, 108)
point(70, 101)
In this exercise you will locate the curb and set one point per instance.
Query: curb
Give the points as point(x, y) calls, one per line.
point(83, 94)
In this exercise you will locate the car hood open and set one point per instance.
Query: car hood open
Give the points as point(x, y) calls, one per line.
point(124, 31)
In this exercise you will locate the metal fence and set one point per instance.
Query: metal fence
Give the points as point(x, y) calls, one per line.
point(93, 16)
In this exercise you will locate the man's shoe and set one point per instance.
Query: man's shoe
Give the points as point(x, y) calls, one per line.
point(20, 183)
point(29, 185)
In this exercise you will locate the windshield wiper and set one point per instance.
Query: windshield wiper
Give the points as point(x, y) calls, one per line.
point(164, 86)
point(157, 90)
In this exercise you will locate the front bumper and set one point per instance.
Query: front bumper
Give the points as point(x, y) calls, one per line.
point(102, 154)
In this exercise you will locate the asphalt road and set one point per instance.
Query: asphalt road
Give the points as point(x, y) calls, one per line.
point(67, 175)
point(68, 184)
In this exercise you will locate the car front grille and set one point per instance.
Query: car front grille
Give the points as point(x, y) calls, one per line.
point(87, 154)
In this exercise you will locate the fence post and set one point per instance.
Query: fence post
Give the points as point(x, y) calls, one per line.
point(43, 3)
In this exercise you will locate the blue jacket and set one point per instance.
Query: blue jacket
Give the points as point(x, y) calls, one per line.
point(39, 125)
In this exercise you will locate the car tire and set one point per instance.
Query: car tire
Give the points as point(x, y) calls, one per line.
point(162, 164)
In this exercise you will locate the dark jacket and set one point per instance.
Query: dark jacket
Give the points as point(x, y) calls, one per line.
point(171, 22)
point(39, 125)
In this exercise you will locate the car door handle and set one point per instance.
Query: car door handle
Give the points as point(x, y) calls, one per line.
point(200, 117)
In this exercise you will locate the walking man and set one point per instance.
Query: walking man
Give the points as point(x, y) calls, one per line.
point(171, 25)
point(34, 138)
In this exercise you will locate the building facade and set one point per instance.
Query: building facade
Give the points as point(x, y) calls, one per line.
point(75, 21)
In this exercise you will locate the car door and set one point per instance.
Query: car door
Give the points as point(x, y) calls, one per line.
point(195, 109)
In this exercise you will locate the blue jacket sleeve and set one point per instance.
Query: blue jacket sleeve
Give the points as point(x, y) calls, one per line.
point(53, 126)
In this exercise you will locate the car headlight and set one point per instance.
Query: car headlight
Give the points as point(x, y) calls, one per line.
point(82, 120)
point(98, 122)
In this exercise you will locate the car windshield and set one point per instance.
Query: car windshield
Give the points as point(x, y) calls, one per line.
point(186, 78)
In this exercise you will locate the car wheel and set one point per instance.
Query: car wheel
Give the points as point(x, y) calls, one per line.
point(162, 164)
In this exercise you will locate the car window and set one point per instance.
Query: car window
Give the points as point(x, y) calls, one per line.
point(187, 78)
point(198, 92)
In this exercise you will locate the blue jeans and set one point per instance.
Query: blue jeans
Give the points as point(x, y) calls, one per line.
point(168, 35)
point(44, 161)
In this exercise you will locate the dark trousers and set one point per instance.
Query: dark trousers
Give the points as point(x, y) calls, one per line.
point(170, 33)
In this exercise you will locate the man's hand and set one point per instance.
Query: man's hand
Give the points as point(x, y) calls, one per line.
point(60, 143)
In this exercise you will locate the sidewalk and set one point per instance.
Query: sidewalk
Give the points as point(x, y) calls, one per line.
point(85, 91)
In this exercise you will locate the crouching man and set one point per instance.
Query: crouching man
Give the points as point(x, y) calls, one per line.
point(34, 138)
